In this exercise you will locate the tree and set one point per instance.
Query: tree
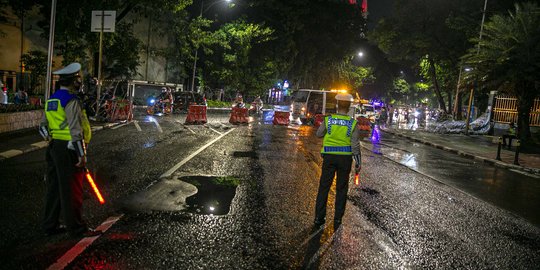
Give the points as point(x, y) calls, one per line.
point(36, 63)
point(508, 58)
point(239, 68)
point(425, 32)
point(354, 76)
point(307, 52)
point(74, 41)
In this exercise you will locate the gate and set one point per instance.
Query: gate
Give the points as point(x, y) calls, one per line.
point(505, 111)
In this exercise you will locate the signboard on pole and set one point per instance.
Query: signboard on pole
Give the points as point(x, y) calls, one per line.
point(109, 20)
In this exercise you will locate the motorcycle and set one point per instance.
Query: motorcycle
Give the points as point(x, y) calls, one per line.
point(255, 108)
point(157, 106)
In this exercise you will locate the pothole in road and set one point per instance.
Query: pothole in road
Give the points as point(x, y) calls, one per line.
point(214, 194)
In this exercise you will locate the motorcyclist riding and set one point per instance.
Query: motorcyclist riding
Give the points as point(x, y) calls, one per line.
point(239, 102)
point(256, 105)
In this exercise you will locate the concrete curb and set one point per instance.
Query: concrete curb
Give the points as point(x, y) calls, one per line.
point(490, 161)
point(42, 144)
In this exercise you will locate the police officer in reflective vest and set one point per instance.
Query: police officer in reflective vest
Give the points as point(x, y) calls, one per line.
point(340, 146)
point(66, 126)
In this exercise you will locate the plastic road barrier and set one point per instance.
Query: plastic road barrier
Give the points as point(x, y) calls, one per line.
point(196, 114)
point(281, 118)
point(119, 110)
point(239, 116)
point(364, 125)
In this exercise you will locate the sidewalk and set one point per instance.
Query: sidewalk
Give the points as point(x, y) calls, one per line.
point(20, 142)
point(479, 147)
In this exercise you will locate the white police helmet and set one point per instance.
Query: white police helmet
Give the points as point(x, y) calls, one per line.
point(69, 70)
point(345, 97)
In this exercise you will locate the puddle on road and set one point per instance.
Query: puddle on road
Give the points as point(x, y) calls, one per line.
point(214, 195)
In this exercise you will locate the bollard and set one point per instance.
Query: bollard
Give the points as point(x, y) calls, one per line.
point(499, 149)
point(516, 157)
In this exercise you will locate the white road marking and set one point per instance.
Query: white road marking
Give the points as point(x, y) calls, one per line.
point(191, 130)
point(10, 153)
point(41, 144)
point(119, 126)
point(136, 123)
point(215, 131)
point(71, 254)
point(175, 167)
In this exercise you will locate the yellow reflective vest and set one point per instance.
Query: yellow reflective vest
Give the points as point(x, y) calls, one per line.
point(56, 117)
point(337, 140)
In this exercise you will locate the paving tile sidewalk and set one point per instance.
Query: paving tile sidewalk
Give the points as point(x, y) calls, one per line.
point(29, 140)
point(479, 147)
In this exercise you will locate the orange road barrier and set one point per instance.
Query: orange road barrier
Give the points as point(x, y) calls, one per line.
point(121, 109)
point(319, 119)
point(196, 114)
point(364, 125)
point(281, 118)
point(94, 187)
point(239, 116)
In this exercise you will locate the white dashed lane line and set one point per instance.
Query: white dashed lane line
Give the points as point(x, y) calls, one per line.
point(71, 254)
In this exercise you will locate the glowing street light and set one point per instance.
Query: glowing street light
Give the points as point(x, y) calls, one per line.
point(361, 54)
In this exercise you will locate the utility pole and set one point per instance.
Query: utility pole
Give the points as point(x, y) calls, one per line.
point(196, 55)
point(100, 79)
point(476, 84)
point(50, 51)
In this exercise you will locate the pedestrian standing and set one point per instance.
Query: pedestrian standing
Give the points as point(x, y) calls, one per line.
point(340, 146)
point(510, 135)
point(66, 126)
point(390, 114)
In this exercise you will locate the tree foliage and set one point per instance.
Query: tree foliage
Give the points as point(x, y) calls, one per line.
point(508, 57)
point(432, 33)
point(239, 67)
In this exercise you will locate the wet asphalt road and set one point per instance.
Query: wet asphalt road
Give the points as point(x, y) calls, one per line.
point(513, 191)
point(396, 218)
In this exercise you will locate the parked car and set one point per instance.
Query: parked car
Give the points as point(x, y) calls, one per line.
point(183, 99)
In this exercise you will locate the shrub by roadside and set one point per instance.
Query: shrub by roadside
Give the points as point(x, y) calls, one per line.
point(218, 104)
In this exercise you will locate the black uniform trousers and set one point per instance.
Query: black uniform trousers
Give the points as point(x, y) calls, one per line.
point(332, 164)
point(64, 189)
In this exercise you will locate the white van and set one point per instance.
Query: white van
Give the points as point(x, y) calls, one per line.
point(309, 102)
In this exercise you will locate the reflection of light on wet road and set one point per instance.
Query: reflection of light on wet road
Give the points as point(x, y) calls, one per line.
point(409, 160)
point(154, 120)
point(149, 144)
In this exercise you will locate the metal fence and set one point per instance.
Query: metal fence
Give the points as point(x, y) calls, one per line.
point(505, 111)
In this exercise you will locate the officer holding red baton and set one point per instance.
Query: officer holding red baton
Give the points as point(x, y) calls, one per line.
point(340, 146)
point(66, 126)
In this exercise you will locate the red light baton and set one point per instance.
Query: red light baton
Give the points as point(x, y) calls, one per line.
point(94, 187)
point(356, 178)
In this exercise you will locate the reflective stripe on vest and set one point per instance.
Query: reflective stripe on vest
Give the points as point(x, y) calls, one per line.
point(337, 140)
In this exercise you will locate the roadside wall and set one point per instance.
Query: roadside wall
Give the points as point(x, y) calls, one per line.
point(20, 120)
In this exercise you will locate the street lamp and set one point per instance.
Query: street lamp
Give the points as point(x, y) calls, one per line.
point(197, 47)
point(361, 54)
